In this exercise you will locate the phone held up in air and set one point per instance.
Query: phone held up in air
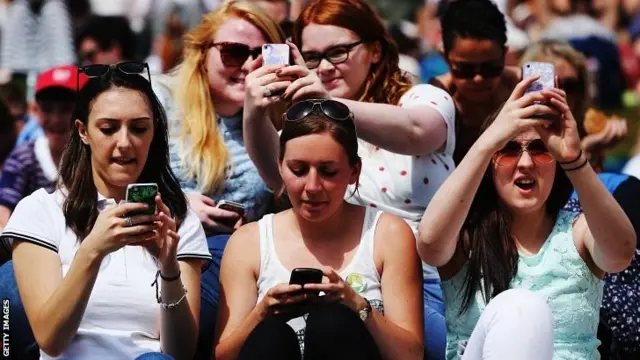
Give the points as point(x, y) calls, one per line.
point(546, 80)
point(275, 54)
point(142, 193)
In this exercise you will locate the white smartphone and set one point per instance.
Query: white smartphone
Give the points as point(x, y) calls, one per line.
point(546, 72)
point(275, 54)
point(142, 193)
point(231, 206)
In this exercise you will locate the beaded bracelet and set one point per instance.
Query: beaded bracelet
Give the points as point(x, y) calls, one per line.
point(159, 298)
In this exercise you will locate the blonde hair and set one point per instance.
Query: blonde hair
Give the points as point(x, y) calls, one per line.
point(206, 154)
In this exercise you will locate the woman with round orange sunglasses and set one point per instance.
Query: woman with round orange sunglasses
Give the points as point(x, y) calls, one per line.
point(511, 260)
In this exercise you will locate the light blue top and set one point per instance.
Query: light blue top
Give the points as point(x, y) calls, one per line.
point(561, 276)
point(29, 131)
point(243, 184)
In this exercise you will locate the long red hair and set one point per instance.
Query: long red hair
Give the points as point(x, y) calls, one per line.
point(386, 83)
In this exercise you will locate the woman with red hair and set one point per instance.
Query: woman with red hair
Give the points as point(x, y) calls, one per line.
point(343, 51)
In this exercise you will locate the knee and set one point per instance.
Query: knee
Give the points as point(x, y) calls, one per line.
point(524, 305)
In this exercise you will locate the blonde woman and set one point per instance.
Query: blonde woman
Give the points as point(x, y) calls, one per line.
point(207, 150)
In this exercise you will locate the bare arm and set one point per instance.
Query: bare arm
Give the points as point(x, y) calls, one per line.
point(238, 314)
point(399, 333)
point(604, 228)
point(262, 143)
point(448, 210)
point(417, 130)
point(54, 305)
point(179, 326)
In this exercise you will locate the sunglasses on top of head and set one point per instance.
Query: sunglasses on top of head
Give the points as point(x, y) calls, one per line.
point(488, 70)
point(332, 109)
point(236, 54)
point(511, 153)
point(127, 67)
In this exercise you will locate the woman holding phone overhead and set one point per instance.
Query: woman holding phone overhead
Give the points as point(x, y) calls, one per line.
point(522, 277)
point(84, 268)
point(208, 154)
point(265, 291)
point(343, 51)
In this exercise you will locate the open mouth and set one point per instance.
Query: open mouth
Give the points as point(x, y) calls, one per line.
point(123, 161)
point(525, 183)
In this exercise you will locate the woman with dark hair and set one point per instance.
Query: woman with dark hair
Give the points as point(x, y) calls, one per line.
point(343, 50)
point(372, 304)
point(522, 278)
point(84, 267)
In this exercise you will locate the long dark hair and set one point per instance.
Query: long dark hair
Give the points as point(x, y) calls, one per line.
point(486, 238)
point(76, 177)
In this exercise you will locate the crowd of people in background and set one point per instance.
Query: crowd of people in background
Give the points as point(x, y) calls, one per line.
point(447, 211)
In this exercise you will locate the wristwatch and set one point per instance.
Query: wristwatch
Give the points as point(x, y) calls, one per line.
point(364, 313)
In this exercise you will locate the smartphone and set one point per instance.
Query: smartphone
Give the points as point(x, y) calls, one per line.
point(546, 80)
point(275, 54)
point(301, 276)
point(142, 193)
point(546, 72)
point(231, 206)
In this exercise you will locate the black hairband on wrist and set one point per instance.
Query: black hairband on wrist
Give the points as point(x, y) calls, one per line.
point(167, 278)
point(583, 164)
point(571, 161)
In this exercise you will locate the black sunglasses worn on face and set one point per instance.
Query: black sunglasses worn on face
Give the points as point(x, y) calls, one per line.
point(465, 70)
point(127, 67)
point(332, 109)
point(335, 55)
point(235, 54)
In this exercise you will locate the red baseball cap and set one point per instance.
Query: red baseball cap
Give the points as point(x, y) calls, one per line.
point(65, 76)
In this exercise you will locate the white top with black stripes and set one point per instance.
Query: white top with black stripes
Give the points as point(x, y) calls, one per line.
point(122, 317)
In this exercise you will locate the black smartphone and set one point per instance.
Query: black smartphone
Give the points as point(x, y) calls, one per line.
point(142, 193)
point(302, 276)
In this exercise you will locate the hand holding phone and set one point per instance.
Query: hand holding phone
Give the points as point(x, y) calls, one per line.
point(302, 276)
point(275, 54)
point(142, 193)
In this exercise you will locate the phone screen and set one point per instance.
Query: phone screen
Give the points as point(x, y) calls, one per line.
point(142, 193)
point(275, 54)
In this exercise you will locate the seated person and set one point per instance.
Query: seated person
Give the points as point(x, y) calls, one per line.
point(522, 277)
point(364, 274)
point(33, 165)
point(8, 133)
point(83, 269)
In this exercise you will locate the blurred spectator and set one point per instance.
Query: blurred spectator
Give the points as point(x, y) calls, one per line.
point(15, 98)
point(278, 10)
point(573, 77)
point(575, 21)
point(8, 134)
point(37, 36)
point(168, 46)
point(33, 165)
point(432, 63)
point(105, 40)
point(404, 35)
point(474, 37)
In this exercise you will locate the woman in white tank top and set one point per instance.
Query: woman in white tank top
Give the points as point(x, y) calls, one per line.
point(369, 304)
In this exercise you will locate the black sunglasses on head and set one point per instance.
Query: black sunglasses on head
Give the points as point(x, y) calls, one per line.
point(465, 70)
point(332, 109)
point(127, 67)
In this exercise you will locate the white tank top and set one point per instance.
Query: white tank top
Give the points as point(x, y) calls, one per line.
point(361, 273)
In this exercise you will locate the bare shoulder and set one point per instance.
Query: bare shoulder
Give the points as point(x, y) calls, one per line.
point(244, 245)
point(392, 227)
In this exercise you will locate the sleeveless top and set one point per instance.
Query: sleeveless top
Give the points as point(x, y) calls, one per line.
point(561, 276)
point(361, 273)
